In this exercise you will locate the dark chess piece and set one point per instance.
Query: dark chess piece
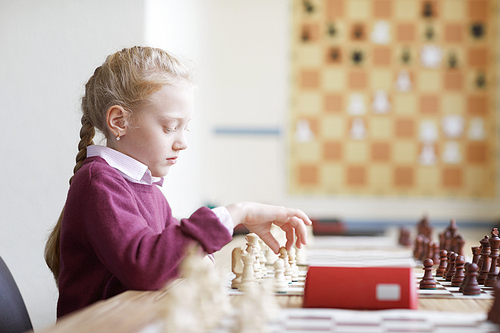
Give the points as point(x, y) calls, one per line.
point(480, 80)
point(475, 254)
point(458, 243)
point(357, 57)
point(477, 30)
point(428, 281)
point(452, 60)
point(435, 253)
point(404, 236)
point(493, 273)
point(486, 262)
point(405, 57)
point(429, 33)
point(331, 30)
point(447, 266)
point(424, 228)
point(308, 7)
point(459, 276)
point(427, 10)
point(417, 249)
point(443, 261)
point(494, 313)
point(472, 287)
point(451, 271)
point(425, 249)
point(464, 281)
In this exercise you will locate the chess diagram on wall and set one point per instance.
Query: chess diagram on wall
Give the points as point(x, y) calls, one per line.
point(393, 97)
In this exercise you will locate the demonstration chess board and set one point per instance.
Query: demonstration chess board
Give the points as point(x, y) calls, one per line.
point(393, 97)
point(445, 290)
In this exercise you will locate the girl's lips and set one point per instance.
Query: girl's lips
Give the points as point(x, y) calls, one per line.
point(172, 160)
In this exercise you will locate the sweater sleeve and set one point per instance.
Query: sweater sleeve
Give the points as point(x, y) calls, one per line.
point(139, 254)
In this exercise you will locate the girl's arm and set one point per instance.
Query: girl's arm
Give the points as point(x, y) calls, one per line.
point(258, 218)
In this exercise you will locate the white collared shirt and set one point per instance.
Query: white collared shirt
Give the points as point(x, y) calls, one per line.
point(137, 172)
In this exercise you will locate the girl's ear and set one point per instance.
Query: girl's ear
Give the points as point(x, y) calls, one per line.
point(117, 119)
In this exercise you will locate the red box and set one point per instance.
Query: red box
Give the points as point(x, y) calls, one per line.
point(361, 288)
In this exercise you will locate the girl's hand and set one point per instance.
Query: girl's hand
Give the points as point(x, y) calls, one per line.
point(258, 218)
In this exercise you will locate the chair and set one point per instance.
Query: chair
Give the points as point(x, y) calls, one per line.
point(14, 317)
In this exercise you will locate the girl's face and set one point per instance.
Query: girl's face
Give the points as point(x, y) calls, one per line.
point(156, 134)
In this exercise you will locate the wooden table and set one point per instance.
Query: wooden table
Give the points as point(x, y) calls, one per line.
point(133, 310)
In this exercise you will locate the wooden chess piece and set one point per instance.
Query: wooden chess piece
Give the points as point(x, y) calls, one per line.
point(248, 277)
point(458, 244)
point(435, 253)
point(472, 287)
point(417, 251)
point(459, 276)
point(428, 281)
point(443, 262)
point(452, 269)
point(279, 283)
point(475, 254)
point(493, 273)
point(236, 266)
point(288, 272)
point(494, 313)
point(404, 237)
point(464, 281)
point(486, 262)
point(425, 249)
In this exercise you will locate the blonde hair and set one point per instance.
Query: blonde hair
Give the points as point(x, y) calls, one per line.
point(127, 78)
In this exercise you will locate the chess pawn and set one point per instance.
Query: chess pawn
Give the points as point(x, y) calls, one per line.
point(472, 287)
point(494, 313)
point(428, 281)
point(452, 269)
point(403, 82)
point(464, 281)
point(435, 253)
point(288, 271)
point(248, 277)
point(293, 265)
point(443, 262)
point(493, 273)
point(280, 285)
point(475, 254)
point(381, 102)
point(458, 277)
point(236, 266)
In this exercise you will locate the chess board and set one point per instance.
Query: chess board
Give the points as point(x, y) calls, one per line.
point(334, 320)
point(445, 290)
point(294, 288)
point(393, 97)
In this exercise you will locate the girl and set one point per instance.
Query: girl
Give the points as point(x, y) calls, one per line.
point(116, 231)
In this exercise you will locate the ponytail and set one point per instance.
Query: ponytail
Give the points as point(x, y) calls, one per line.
point(53, 245)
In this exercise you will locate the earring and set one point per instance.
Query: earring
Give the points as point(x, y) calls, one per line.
point(118, 137)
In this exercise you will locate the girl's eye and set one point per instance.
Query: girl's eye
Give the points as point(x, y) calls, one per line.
point(169, 130)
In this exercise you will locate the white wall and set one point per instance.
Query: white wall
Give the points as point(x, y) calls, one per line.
point(49, 48)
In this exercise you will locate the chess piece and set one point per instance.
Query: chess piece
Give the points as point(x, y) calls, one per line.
point(443, 262)
point(451, 271)
point(453, 126)
point(293, 265)
point(458, 243)
point(465, 280)
point(447, 266)
point(494, 313)
point(472, 287)
point(428, 132)
point(288, 271)
point(477, 30)
point(303, 132)
point(358, 129)
point(428, 281)
point(236, 267)
point(486, 262)
point(403, 82)
point(424, 228)
point(475, 254)
point(431, 55)
point(476, 129)
point(381, 33)
point(417, 251)
point(248, 276)
point(425, 249)
point(427, 155)
point(435, 253)
point(451, 153)
point(404, 237)
point(356, 105)
point(459, 276)
point(381, 102)
point(493, 273)
point(280, 285)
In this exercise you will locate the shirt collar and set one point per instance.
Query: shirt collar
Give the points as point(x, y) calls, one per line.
point(130, 168)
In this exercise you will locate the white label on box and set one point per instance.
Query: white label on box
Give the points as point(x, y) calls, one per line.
point(388, 292)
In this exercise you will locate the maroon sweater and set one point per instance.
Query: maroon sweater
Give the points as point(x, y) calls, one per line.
point(117, 235)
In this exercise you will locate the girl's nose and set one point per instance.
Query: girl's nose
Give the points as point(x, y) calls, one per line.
point(180, 142)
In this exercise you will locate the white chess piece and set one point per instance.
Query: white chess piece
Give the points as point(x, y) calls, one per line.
point(428, 131)
point(356, 105)
point(453, 125)
point(381, 33)
point(451, 153)
point(403, 82)
point(430, 56)
point(293, 265)
point(428, 155)
point(236, 267)
point(288, 271)
point(303, 132)
point(248, 276)
point(280, 285)
point(476, 129)
point(358, 129)
point(381, 102)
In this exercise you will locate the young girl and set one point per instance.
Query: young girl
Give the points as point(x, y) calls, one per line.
point(116, 231)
